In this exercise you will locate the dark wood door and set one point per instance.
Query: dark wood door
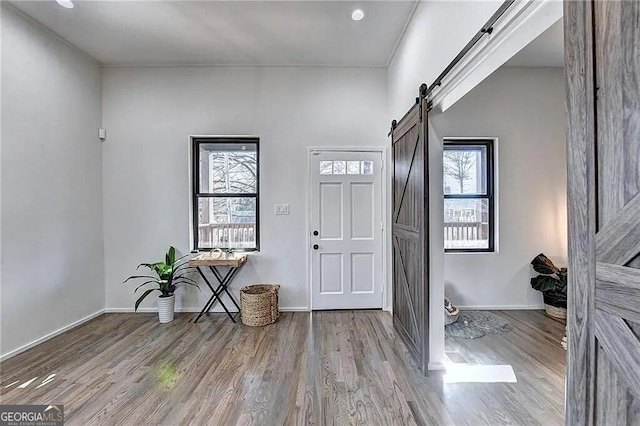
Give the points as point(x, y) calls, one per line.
point(410, 233)
point(602, 42)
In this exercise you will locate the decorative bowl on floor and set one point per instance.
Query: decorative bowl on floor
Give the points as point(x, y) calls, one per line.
point(450, 312)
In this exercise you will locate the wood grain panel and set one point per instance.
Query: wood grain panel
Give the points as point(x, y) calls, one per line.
point(410, 233)
point(621, 346)
point(618, 242)
point(581, 209)
point(405, 293)
point(408, 164)
point(614, 307)
point(629, 63)
point(618, 277)
point(610, 129)
point(603, 37)
point(207, 259)
point(407, 123)
point(611, 392)
point(618, 290)
point(404, 159)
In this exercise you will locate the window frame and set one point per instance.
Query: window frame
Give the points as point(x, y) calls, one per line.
point(489, 144)
point(196, 195)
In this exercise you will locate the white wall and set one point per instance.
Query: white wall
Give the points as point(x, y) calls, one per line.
point(437, 32)
point(436, 251)
point(52, 236)
point(149, 114)
point(525, 109)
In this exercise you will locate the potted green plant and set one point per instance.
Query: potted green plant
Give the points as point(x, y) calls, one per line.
point(552, 282)
point(169, 274)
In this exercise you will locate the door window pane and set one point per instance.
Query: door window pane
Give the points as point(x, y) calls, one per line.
point(326, 167)
point(367, 167)
point(339, 167)
point(353, 167)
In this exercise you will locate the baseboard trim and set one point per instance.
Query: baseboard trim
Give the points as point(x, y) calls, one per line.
point(500, 307)
point(295, 309)
point(149, 310)
point(436, 366)
point(191, 310)
point(50, 335)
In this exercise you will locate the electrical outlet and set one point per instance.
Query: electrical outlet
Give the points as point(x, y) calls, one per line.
point(281, 209)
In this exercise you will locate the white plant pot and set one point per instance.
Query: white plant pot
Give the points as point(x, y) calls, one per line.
point(166, 307)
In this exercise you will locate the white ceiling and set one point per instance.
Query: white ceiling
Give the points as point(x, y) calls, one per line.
point(318, 33)
point(547, 50)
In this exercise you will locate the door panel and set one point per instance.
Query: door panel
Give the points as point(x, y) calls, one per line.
point(346, 211)
point(602, 42)
point(410, 233)
point(331, 273)
point(331, 225)
point(362, 272)
point(362, 204)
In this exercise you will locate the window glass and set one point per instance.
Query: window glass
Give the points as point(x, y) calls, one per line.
point(227, 222)
point(225, 195)
point(339, 167)
point(468, 195)
point(466, 223)
point(228, 168)
point(326, 167)
point(465, 170)
point(353, 167)
point(342, 167)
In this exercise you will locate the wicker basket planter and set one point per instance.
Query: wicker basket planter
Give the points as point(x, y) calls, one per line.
point(259, 304)
point(555, 312)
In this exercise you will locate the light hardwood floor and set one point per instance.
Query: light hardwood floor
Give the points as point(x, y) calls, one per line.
point(326, 368)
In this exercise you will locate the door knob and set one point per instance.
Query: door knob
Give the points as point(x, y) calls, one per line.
point(315, 233)
point(316, 247)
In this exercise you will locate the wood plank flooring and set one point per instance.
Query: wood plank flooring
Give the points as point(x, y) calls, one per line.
point(325, 368)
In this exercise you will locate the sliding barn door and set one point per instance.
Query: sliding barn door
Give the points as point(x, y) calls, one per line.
point(603, 85)
point(409, 233)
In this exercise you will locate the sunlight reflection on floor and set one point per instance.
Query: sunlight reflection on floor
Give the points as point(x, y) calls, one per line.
point(465, 373)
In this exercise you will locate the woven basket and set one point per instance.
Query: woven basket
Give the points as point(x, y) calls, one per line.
point(259, 304)
point(555, 312)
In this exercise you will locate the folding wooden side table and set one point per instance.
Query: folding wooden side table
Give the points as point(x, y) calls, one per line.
point(208, 268)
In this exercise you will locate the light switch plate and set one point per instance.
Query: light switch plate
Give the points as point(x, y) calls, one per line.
point(281, 209)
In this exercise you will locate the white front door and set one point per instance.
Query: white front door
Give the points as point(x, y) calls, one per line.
point(346, 230)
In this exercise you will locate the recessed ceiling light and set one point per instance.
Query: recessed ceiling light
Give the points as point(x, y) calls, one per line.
point(357, 14)
point(68, 4)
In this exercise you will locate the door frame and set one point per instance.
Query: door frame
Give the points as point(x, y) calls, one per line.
point(386, 235)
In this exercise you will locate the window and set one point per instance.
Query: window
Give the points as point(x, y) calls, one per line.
point(342, 167)
point(469, 195)
point(225, 190)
